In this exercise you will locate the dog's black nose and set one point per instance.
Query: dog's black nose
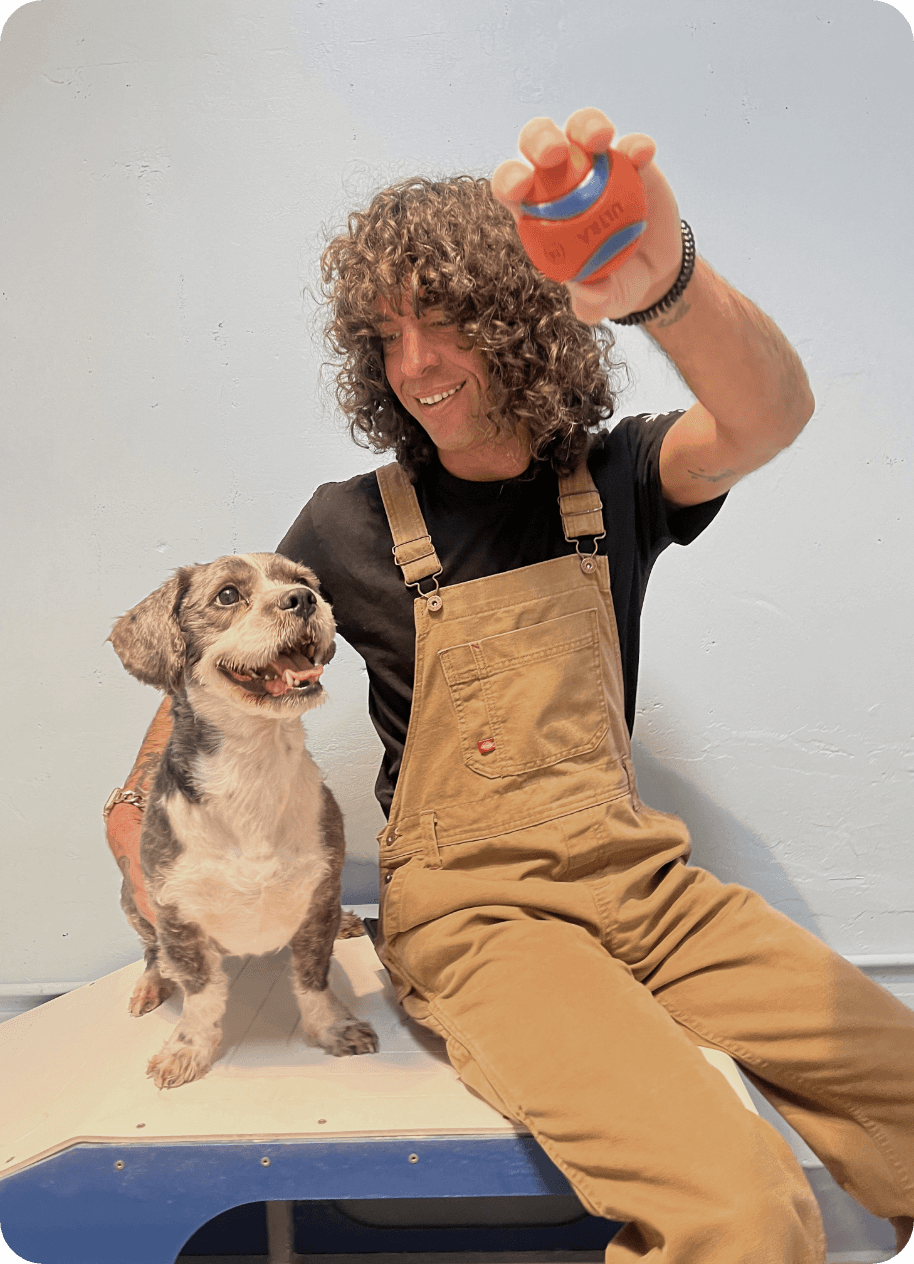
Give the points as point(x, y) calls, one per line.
point(300, 601)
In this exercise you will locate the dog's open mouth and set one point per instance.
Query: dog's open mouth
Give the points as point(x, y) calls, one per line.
point(291, 672)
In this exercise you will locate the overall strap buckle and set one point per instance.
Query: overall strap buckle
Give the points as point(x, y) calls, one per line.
point(433, 599)
point(413, 550)
point(582, 513)
point(588, 564)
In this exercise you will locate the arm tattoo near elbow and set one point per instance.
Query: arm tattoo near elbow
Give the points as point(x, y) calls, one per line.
point(711, 478)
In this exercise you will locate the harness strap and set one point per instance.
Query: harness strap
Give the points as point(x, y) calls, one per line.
point(580, 505)
point(413, 550)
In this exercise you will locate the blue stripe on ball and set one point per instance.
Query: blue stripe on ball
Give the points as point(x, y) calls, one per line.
point(579, 200)
point(610, 248)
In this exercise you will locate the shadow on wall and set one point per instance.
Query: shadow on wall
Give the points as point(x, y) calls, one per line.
point(720, 843)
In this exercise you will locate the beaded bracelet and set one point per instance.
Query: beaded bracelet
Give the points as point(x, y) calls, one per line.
point(685, 275)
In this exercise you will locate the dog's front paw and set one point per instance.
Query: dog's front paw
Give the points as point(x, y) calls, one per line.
point(150, 991)
point(349, 1038)
point(170, 1068)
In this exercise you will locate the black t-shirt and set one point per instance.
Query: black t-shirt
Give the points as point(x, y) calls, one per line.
point(481, 529)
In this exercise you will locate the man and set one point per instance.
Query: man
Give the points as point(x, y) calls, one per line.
point(535, 913)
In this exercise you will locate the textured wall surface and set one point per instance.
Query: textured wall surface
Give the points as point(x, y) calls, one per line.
point(167, 172)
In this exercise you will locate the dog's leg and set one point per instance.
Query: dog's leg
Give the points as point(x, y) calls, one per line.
point(151, 988)
point(187, 957)
point(325, 1020)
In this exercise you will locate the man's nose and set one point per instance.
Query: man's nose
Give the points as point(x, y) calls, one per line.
point(418, 352)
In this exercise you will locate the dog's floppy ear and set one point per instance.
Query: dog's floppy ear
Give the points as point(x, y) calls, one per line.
point(148, 639)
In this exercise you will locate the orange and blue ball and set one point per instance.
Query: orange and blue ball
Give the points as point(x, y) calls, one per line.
point(583, 218)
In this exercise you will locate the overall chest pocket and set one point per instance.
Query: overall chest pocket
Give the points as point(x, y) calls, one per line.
point(528, 698)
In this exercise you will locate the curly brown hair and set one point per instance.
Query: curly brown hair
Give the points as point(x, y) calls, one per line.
point(450, 244)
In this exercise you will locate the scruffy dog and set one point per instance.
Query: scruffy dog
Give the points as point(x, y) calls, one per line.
point(242, 844)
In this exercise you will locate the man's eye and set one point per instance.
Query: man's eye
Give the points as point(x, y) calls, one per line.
point(228, 596)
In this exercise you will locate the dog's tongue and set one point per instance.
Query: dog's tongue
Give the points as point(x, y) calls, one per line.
point(291, 670)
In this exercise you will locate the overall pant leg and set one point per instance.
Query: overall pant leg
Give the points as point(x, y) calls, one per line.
point(546, 1026)
point(832, 1051)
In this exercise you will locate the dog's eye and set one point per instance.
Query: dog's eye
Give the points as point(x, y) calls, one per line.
point(228, 596)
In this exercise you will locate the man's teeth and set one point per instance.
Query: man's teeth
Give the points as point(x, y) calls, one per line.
point(436, 399)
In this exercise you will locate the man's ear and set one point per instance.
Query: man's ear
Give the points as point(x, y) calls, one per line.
point(148, 639)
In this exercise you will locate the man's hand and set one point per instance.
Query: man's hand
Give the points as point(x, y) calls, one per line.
point(653, 268)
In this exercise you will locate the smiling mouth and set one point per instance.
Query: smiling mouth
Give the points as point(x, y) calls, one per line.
point(428, 400)
point(292, 672)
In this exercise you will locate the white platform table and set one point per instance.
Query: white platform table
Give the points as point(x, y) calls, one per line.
point(97, 1166)
point(100, 1167)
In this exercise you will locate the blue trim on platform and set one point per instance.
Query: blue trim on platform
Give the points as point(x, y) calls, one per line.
point(77, 1207)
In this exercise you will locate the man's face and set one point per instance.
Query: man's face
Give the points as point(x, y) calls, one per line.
point(437, 375)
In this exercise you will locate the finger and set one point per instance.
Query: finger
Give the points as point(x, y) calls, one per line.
point(542, 142)
point(638, 147)
point(591, 129)
point(510, 183)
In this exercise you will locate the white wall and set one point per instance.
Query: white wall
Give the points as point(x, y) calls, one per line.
point(165, 174)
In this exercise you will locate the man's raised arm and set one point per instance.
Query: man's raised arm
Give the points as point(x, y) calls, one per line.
point(753, 396)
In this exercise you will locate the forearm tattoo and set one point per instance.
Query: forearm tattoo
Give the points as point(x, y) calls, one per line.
point(676, 313)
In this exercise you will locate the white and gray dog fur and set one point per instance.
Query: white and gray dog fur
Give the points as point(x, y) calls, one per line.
point(242, 844)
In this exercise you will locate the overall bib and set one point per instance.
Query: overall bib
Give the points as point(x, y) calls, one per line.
point(544, 922)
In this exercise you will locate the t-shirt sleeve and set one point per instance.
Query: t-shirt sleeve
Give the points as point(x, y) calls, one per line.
point(659, 522)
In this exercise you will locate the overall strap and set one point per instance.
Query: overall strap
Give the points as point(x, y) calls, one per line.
point(413, 550)
point(580, 505)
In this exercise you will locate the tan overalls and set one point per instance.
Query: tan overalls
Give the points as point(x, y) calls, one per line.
point(542, 920)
